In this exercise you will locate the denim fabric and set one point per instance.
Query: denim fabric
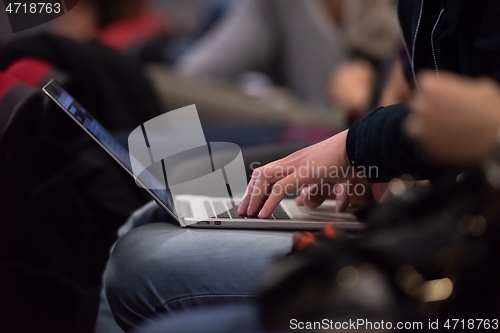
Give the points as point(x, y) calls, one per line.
point(159, 268)
point(240, 318)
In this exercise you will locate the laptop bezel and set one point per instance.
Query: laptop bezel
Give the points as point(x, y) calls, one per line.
point(138, 181)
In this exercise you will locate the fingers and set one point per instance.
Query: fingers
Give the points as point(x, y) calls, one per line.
point(299, 201)
point(342, 197)
point(258, 195)
point(380, 191)
point(352, 193)
point(356, 194)
point(258, 189)
point(242, 209)
point(280, 189)
point(313, 196)
point(282, 176)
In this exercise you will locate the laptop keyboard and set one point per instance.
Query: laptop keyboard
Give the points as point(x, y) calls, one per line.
point(279, 212)
point(220, 207)
point(184, 210)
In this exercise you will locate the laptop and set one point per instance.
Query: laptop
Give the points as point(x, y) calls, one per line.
point(195, 211)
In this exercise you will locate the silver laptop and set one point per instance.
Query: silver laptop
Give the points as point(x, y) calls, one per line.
point(200, 211)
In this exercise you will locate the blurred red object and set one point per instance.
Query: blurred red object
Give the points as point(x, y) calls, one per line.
point(7, 82)
point(30, 71)
point(127, 33)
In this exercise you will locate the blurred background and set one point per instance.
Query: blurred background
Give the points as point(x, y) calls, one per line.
point(260, 72)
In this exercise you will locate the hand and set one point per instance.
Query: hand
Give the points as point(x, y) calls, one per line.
point(397, 90)
point(455, 120)
point(324, 164)
point(352, 84)
point(356, 193)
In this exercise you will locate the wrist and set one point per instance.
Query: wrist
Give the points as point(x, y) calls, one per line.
point(350, 144)
point(343, 156)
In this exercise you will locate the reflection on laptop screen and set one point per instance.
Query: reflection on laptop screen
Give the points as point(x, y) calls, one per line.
point(101, 135)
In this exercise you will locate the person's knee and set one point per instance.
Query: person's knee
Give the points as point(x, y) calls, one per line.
point(159, 268)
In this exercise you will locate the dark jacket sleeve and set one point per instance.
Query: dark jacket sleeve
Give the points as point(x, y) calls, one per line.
point(377, 145)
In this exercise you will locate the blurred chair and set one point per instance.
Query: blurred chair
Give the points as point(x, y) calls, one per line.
point(229, 115)
point(32, 71)
point(35, 296)
point(218, 102)
point(62, 198)
point(61, 203)
point(302, 45)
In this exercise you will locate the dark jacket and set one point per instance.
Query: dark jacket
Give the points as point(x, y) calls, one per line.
point(461, 36)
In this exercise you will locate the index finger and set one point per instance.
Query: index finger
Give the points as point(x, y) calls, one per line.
point(242, 209)
point(280, 189)
point(257, 190)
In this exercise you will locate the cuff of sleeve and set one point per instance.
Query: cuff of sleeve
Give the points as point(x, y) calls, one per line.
point(351, 143)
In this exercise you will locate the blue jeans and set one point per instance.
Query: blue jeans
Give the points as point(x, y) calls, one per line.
point(241, 318)
point(159, 268)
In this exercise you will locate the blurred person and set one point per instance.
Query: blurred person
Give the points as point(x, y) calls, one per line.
point(397, 90)
point(456, 120)
point(118, 24)
point(213, 12)
point(323, 50)
point(377, 140)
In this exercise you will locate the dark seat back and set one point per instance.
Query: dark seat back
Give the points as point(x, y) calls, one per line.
point(62, 199)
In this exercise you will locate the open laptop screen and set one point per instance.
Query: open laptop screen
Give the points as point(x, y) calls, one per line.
point(95, 130)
